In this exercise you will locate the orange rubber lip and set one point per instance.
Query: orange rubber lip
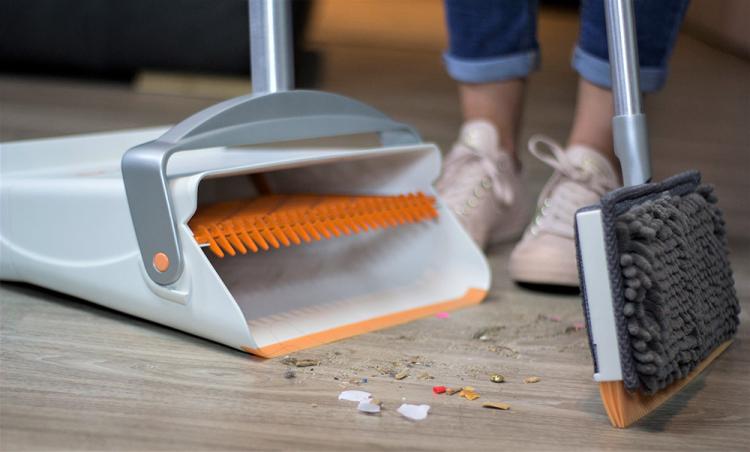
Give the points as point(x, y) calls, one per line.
point(471, 297)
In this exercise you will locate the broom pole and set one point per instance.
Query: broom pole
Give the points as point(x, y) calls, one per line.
point(271, 63)
point(629, 122)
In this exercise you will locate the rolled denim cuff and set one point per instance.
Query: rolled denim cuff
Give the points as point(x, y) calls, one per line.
point(495, 69)
point(597, 71)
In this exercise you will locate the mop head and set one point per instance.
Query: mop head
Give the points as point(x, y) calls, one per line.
point(674, 298)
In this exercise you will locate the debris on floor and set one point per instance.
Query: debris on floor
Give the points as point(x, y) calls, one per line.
point(369, 406)
point(468, 393)
point(451, 391)
point(532, 380)
point(292, 361)
point(418, 361)
point(505, 351)
point(307, 362)
point(496, 405)
point(290, 374)
point(545, 317)
point(425, 376)
point(442, 315)
point(353, 395)
point(576, 326)
point(497, 378)
point(439, 389)
point(485, 334)
point(401, 375)
point(414, 412)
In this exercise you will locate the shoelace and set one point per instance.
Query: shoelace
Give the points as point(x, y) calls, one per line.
point(567, 190)
point(493, 170)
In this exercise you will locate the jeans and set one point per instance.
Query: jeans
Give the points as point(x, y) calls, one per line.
point(495, 40)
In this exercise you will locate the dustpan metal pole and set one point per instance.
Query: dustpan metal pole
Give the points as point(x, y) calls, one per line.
point(272, 67)
point(629, 122)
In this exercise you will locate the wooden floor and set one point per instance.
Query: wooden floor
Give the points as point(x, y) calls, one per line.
point(77, 376)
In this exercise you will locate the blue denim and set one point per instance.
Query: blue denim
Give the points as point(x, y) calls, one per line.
point(495, 40)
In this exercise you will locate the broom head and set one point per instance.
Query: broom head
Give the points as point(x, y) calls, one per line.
point(673, 297)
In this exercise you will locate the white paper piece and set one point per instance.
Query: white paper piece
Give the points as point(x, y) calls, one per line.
point(355, 396)
point(366, 406)
point(414, 412)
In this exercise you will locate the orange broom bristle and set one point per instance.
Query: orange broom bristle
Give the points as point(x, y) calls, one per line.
point(273, 221)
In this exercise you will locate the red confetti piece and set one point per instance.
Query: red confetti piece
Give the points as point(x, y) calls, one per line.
point(438, 389)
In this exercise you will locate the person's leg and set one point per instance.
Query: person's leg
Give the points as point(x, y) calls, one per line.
point(493, 48)
point(657, 24)
point(592, 123)
point(501, 103)
point(588, 167)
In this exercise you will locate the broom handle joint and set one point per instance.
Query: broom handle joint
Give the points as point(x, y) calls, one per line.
point(629, 122)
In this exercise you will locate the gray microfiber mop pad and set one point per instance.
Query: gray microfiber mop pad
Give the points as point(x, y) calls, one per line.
point(674, 294)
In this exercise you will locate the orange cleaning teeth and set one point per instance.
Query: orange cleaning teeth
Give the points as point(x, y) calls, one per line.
point(273, 221)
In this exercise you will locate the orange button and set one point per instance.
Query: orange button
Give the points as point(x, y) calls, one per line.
point(161, 262)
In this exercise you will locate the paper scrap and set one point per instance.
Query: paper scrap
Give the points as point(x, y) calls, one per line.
point(414, 412)
point(401, 375)
point(442, 315)
point(369, 406)
point(468, 393)
point(353, 395)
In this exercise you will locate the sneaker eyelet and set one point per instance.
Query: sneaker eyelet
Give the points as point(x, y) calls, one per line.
point(486, 183)
point(472, 203)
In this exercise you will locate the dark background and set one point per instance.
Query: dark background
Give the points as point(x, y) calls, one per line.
point(114, 39)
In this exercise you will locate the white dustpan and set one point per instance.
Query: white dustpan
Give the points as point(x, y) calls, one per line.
point(98, 216)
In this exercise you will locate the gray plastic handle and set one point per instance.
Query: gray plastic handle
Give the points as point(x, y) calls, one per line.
point(253, 119)
point(629, 122)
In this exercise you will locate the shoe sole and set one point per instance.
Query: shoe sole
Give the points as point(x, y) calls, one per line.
point(537, 274)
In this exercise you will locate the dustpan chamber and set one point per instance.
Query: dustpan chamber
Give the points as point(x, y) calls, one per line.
point(319, 291)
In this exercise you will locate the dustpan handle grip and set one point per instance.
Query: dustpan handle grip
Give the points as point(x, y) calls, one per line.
point(629, 123)
point(271, 59)
point(246, 120)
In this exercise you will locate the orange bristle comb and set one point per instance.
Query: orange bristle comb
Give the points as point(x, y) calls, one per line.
point(273, 221)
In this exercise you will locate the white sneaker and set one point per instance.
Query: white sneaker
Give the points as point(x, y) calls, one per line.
point(546, 254)
point(481, 185)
